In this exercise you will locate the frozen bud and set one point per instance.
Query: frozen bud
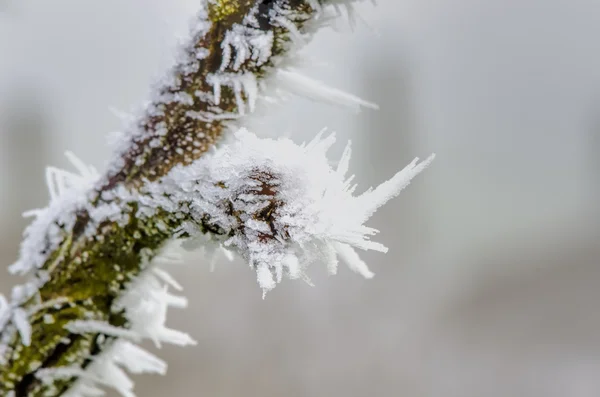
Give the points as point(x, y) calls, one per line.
point(280, 205)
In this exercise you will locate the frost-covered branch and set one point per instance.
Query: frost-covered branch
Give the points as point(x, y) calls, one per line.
point(94, 254)
point(279, 205)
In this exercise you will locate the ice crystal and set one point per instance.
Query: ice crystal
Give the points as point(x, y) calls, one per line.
point(145, 304)
point(107, 370)
point(68, 193)
point(5, 312)
point(247, 43)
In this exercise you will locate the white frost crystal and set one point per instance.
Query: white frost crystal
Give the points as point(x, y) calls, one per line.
point(68, 192)
point(279, 205)
point(145, 304)
point(5, 312)
point(247, 43)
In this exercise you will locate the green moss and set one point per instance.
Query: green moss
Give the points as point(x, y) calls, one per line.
point(228, 9)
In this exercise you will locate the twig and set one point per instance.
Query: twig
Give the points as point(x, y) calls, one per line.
point(93, 250)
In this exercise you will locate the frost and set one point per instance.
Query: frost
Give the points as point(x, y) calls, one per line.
point(249, 67)
point(107, 370)
point(281, 206)
point(5, 311)
point(99, 327)
point(248, 44)
point(282, 20)
point(145, 304)
point(21, 322)
point(242, 84)
point(68, 193)
point(296, 83)
point(9, 313)
point(186, 61)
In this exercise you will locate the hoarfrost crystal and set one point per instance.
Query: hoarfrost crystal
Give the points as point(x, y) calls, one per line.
point(279, 205)
point(145, 305)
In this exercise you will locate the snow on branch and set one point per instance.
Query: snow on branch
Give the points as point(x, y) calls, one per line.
point(96, 255)
point(241, 56)
point(279, 205)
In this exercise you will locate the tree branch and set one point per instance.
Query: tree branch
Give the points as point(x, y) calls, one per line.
point(99, 234)
point(84, 265)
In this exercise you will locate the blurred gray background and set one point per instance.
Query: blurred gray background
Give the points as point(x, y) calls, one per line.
point(492, 280)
